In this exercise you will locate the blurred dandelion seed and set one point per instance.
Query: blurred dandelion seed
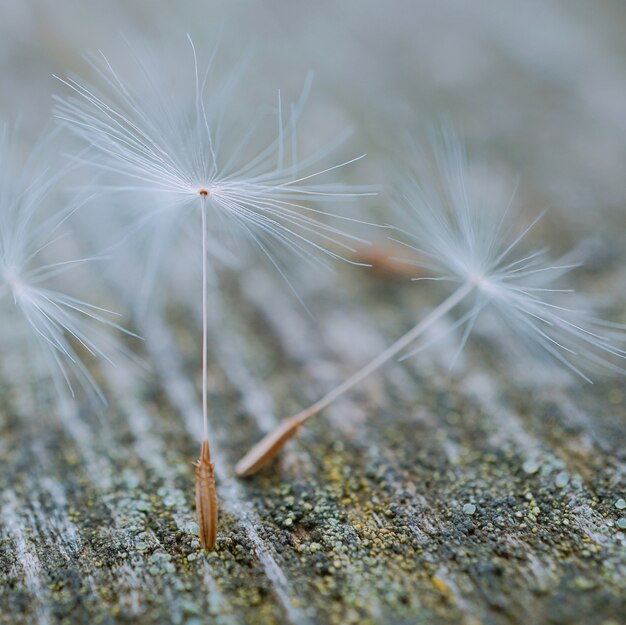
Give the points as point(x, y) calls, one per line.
point(462, 243)
point(58, 323)
point(150, 138)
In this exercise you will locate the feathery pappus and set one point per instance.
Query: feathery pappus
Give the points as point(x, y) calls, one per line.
point(34, 307)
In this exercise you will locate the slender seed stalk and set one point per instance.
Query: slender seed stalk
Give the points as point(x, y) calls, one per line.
point(205, 417)
point(269, 446)
point(206, 492)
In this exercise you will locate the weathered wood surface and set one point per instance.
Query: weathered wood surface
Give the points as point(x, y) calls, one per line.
point(427, 496)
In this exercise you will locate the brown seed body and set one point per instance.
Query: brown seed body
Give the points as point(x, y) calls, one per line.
point(206, 498)
point(389, 261)
point(268, 447)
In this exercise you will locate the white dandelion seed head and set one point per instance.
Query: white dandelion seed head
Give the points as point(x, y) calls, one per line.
point(462, 240)
point(34, 312)
point(178, 143)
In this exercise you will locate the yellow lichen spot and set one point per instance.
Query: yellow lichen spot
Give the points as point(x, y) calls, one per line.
point(335, 474)
point(440, 585)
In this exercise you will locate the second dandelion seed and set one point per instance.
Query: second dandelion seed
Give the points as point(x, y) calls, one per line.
point(462, 242)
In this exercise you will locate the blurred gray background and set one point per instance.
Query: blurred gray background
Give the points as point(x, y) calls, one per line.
point(426, 497)
point(542, 84)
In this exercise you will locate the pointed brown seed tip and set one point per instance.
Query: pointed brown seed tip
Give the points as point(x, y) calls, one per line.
point(268, 447)
point(203, 192)
point(206, 498)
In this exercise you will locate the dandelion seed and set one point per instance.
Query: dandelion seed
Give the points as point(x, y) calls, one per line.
point(55, 321)
point(176, 146)
point(389, 261)
point(462, 243)
point(206, 498)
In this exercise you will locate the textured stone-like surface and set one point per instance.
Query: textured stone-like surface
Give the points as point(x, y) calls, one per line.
point(424, 497)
